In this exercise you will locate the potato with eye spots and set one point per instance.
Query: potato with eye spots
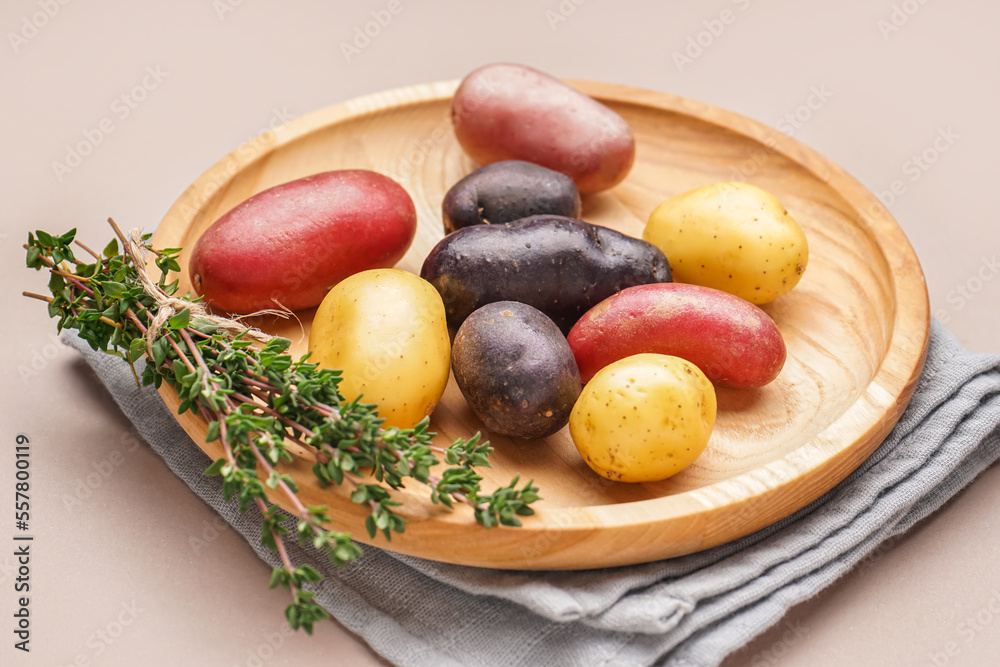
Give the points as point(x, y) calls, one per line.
point(515, 369)
point(288, 245)
point(643, 418)
point(385, 329)
point(731, 340)
point(734, 237)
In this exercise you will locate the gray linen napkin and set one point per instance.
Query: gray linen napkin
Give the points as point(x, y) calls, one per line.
point(681, 612)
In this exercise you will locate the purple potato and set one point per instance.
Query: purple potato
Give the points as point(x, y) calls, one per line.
point(516, 370)
point(561, 266)
point(508, 191)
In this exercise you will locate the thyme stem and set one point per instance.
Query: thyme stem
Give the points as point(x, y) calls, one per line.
point(257, 401)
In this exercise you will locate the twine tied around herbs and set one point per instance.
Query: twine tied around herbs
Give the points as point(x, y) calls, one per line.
point(168, 306)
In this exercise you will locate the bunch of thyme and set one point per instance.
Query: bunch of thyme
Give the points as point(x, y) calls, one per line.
point(257, 400)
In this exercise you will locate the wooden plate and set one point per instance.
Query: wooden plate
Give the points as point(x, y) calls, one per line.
point(856, 328)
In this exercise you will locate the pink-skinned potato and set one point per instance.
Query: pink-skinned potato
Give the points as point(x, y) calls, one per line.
point(512, 112)
point(732, 341)
point(286, 246)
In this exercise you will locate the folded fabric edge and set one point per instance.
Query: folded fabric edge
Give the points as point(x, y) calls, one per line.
point(732, 632)
point(86, 350)
point(942, 352)
point(339, 598)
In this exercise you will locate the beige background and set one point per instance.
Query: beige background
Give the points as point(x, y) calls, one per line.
point(119, 539)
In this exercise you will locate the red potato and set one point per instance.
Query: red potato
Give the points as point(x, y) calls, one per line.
point(732, 341)
point(513, 112)
point(288, 245)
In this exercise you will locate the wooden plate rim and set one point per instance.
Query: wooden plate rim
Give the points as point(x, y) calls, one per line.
point(871, 416)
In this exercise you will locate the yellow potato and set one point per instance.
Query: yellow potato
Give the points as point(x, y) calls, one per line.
point(643, 418)
point(386, 330)
point(734, 237)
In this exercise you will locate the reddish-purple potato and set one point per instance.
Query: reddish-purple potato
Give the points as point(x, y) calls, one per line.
point(732, 341)
point(513, 112)
point(288, 245)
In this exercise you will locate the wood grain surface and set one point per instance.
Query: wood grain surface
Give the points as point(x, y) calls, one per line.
point(856, 329)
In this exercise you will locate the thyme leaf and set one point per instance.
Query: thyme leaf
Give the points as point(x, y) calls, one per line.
point(262, 406)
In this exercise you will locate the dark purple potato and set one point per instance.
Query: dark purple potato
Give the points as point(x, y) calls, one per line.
point(508, 191)
point(561, 266)
point(516, 370)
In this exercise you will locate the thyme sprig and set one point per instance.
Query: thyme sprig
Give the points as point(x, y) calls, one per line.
point(258, 402)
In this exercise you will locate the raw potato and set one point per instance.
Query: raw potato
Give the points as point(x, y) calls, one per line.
point(561, 266)
point(731, 236)
point(386, 330)
point(508, 191)
point(644, 418)
point(731, 340)
point(515, 370)
point(513, 112)
point(287, 245)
